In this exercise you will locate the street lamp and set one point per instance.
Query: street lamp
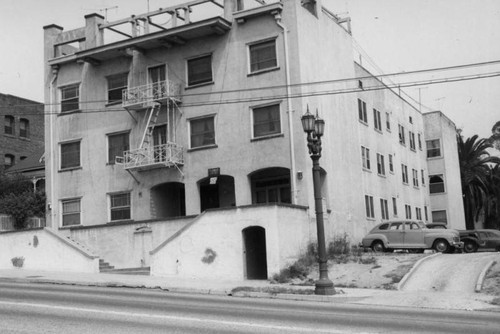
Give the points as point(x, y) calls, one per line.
point(315, 128)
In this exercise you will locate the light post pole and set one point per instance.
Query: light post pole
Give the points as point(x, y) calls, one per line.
point(315, 127)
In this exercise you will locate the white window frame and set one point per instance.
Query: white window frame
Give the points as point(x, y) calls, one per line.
point(365, 158)
point(404, 173)
point(71, 85)
point(249, 57)
point(384, 208)
point(252, 120)
point(362, 112)
point(108, 135)
point(188, 84)
point(79, 141)
point(214, 117)
point(113, 76)
point(377, 120)
point(110, 202)
point(427, 148)
point(66, 200)
point(380, 164)
point(369, 207)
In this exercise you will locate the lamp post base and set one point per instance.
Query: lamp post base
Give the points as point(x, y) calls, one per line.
point(324, 287)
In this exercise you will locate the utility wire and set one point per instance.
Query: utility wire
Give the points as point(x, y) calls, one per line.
point(379, 86)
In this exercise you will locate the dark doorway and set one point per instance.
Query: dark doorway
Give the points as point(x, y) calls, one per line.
point(271, 185)
point(217, 192)
point(168, 200)
point(254, 238)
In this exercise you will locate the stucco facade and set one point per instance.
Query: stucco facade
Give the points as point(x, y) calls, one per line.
point(444, 170)
point(226, 132)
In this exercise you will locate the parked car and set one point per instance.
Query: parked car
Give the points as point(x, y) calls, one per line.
point(411, 235)
point(436, 225)
point(480, 239)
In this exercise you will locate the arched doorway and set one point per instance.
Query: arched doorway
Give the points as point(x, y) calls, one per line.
point(271, 185)
point(168, 200)
point(254, 242)
point(217, 192)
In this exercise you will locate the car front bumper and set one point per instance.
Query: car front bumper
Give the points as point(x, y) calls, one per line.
point(458, 244)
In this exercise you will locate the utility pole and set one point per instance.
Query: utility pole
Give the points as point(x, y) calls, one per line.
point(420, 98)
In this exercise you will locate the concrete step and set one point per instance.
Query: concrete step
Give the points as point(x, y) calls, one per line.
point(128, 271)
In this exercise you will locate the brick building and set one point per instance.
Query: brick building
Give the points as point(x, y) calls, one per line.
point(22, 132)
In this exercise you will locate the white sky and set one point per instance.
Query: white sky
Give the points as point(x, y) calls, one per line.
point(398, 35)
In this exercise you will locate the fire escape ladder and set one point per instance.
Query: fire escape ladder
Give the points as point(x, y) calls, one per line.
point(150, 125)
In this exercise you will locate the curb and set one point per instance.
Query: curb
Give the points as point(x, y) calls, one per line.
point(480, 279)
point(412, 270)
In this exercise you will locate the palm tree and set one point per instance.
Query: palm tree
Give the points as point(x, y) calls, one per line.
point(493, 210)
point(475, 170)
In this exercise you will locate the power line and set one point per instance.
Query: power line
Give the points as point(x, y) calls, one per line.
point(380, 86)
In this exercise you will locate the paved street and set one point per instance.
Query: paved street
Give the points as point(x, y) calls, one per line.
point(40, 308)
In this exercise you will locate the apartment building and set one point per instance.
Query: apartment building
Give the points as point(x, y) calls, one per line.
point(22, 133)
point(445, 187)
point(148, 122)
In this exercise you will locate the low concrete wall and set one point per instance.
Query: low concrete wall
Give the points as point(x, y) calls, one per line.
point(212, 246)
point(44, 249)
point(126, 245)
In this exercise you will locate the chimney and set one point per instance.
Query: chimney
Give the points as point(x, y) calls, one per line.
point(231, 6)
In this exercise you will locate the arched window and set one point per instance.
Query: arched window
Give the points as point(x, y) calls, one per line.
point(9, 125)
point(436, 184)
point(24, 127)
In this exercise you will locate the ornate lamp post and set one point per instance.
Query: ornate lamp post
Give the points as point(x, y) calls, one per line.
point(315, 127)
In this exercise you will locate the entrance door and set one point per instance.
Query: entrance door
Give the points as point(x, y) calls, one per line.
point(209, 196)
point(160, 138)
point(255, 252)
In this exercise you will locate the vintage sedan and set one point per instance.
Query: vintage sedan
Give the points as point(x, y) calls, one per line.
point(411, 235)
point(475, 240)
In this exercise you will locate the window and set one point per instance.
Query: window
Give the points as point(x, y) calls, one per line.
point(433, 148)
point(377, 120)
point(423, 177)
point(380, 164)
point(387, 121)
point(384, 208)
point(202, 132)
point(199, 70)
point(70, 155)
point(394, 207)
point(263, 56)
point(418, 212)
point(410, 119)
point(71, 212)
point(391, 164)
point(117, 144)
point(9, 125)
point(415, 177)
point(439, 216)
point(436, 184)
point(408, 211)
point(370, 213)
point(419, 136)
point(70, 98)
point(120, 206)
point(266, 121)
point(8, 160)
point(402, 135)
point(24, 128)
point(116, 85)
point(360, 84)
point(365, 156)
point(411, 135)
point(404, 171)
point(426, 214)
point(363, 116)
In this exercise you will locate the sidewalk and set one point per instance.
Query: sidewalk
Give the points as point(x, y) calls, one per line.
point(251, 288)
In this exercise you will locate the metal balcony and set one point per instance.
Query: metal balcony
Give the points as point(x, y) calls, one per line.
point(145, 158)
point(140, 97)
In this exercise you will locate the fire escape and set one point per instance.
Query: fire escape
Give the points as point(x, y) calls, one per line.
point(161, 96)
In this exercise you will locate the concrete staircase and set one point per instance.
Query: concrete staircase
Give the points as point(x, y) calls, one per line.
point(106, 268)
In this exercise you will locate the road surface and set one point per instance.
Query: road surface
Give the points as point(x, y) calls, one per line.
point(41, 308)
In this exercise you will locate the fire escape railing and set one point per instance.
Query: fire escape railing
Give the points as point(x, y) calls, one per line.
point(157, 91)
point(168, 155)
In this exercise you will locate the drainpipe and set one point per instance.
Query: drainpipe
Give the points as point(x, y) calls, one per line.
point(293, 168)
point(52, 108)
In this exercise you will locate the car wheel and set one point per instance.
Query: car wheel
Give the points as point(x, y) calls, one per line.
point(441, 246)
point(470, 247)
point(378, 246)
